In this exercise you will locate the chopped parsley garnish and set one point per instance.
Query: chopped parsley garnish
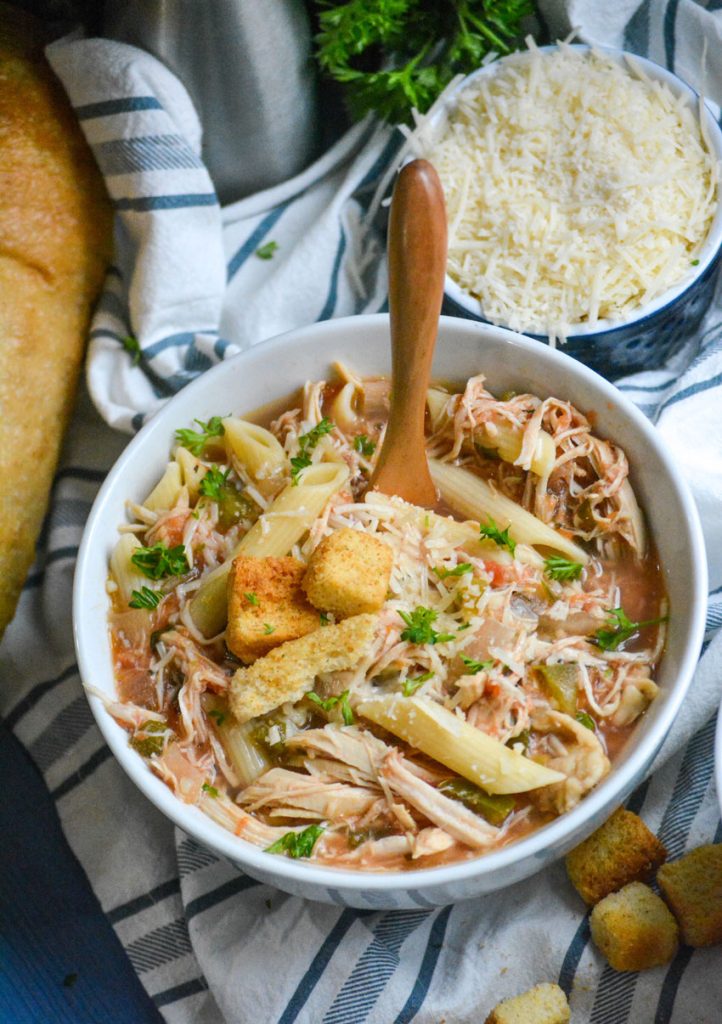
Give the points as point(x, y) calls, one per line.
point(159, 561)
point(329, 703)
point(472, 667)
point(324, 618)
point(144, 598)
point(265, 252)
point(251, 598)
point(196, 440)
point(297, 844)
point(586, 720)
point(363, 445)
point(213, 483)
point(419, 629)
point(217, 716)
point(460, 570)
point(694, 263)
point(210, 790)
point(562, 569)
point(268, 628)
point(131, 344)
point(412, 685)
point(306, 443)
point(490, 531)
point(620, 628)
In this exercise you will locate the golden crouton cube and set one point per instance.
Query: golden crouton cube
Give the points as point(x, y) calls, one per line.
point(289, 671)
point(543, 1004)
point(348, 573)
point(692, 886)
point(623, 850)
point(266, 605)
point(634, 929)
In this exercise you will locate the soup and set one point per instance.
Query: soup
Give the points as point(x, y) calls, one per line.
point(334, 674)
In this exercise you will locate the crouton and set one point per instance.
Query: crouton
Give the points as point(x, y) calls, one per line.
point(348, 573)
point(289, 671)
point(692, 886)
point(634, 929)
point(623, 850)
point(266, 605)
point(543, 1004)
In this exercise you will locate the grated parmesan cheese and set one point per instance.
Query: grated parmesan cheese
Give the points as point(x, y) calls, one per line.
point(577, 189)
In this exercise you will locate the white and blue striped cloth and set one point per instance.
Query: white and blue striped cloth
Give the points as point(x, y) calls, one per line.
point(210, 944)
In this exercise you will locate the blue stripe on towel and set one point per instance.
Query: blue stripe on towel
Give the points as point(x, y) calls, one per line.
point(636, 34)
point(670, 19)
point(178, 992)
point(254, 240)
point(668, 992)
point(144, 204)
point(120, 106)
point(330, 303)
point(146, 153)
point(319, 964)
point(374, 968)
point(428, 966)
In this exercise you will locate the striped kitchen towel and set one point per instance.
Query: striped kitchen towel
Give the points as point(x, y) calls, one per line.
point(209, 943)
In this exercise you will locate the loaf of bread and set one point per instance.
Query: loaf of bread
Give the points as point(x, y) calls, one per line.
point(55, 242)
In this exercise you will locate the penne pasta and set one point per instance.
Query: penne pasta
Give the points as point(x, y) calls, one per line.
point(165, 493)
point(474, 497)
point(273, 534)
point(192, 471)
point(255, 448)
point(127, 577)
point(343, 408)
point(451, 741)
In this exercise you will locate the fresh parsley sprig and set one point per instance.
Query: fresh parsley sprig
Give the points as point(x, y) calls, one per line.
point(419, 627)
point(562, 569)
point(329, 703)
point(214, 483)
point(492, 531)
point(363, 445)
point(620, 628)
point(392, 55)
point(412, 684)
point(306, 443)
point(266, 252)
point(472, 666)
point(460, 570)
point(158, 561)
point(196, 440)
point(297, 844)
point(144, 598)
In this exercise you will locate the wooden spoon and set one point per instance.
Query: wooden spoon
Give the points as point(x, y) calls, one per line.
point(417, 264)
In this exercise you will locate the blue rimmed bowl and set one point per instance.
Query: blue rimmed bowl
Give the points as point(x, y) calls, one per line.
point(646, 339)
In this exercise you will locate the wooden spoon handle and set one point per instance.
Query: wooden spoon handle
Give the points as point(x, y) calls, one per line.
point(417, 265)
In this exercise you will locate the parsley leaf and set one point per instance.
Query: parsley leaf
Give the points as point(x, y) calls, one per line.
point(251, 598)
point(306, 443)
point(562, 569)
point(213, 483)
point(472, 667)
point(491, 531)
point(131, 344)
point(297, 844)
point(585, 719)
point(694, 263)
point(620, 628)
point(419, 628)
point(363, 445)
point(144, 598)
point(412, 685)
point(159, 561)
point(217, 716)
point(331, 702)
point(460, 570)
point(323, 616)
point(268, 629)
point(194, 440)
point(265, 252)
point(210, 790)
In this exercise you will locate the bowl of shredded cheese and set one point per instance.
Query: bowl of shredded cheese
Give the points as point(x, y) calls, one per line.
point(583, 196)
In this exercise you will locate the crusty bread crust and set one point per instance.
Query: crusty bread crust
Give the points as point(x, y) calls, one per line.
point(348, 573)
point(692, 886)
point(55, 240)
point(543, 1004)
point(634, 929)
